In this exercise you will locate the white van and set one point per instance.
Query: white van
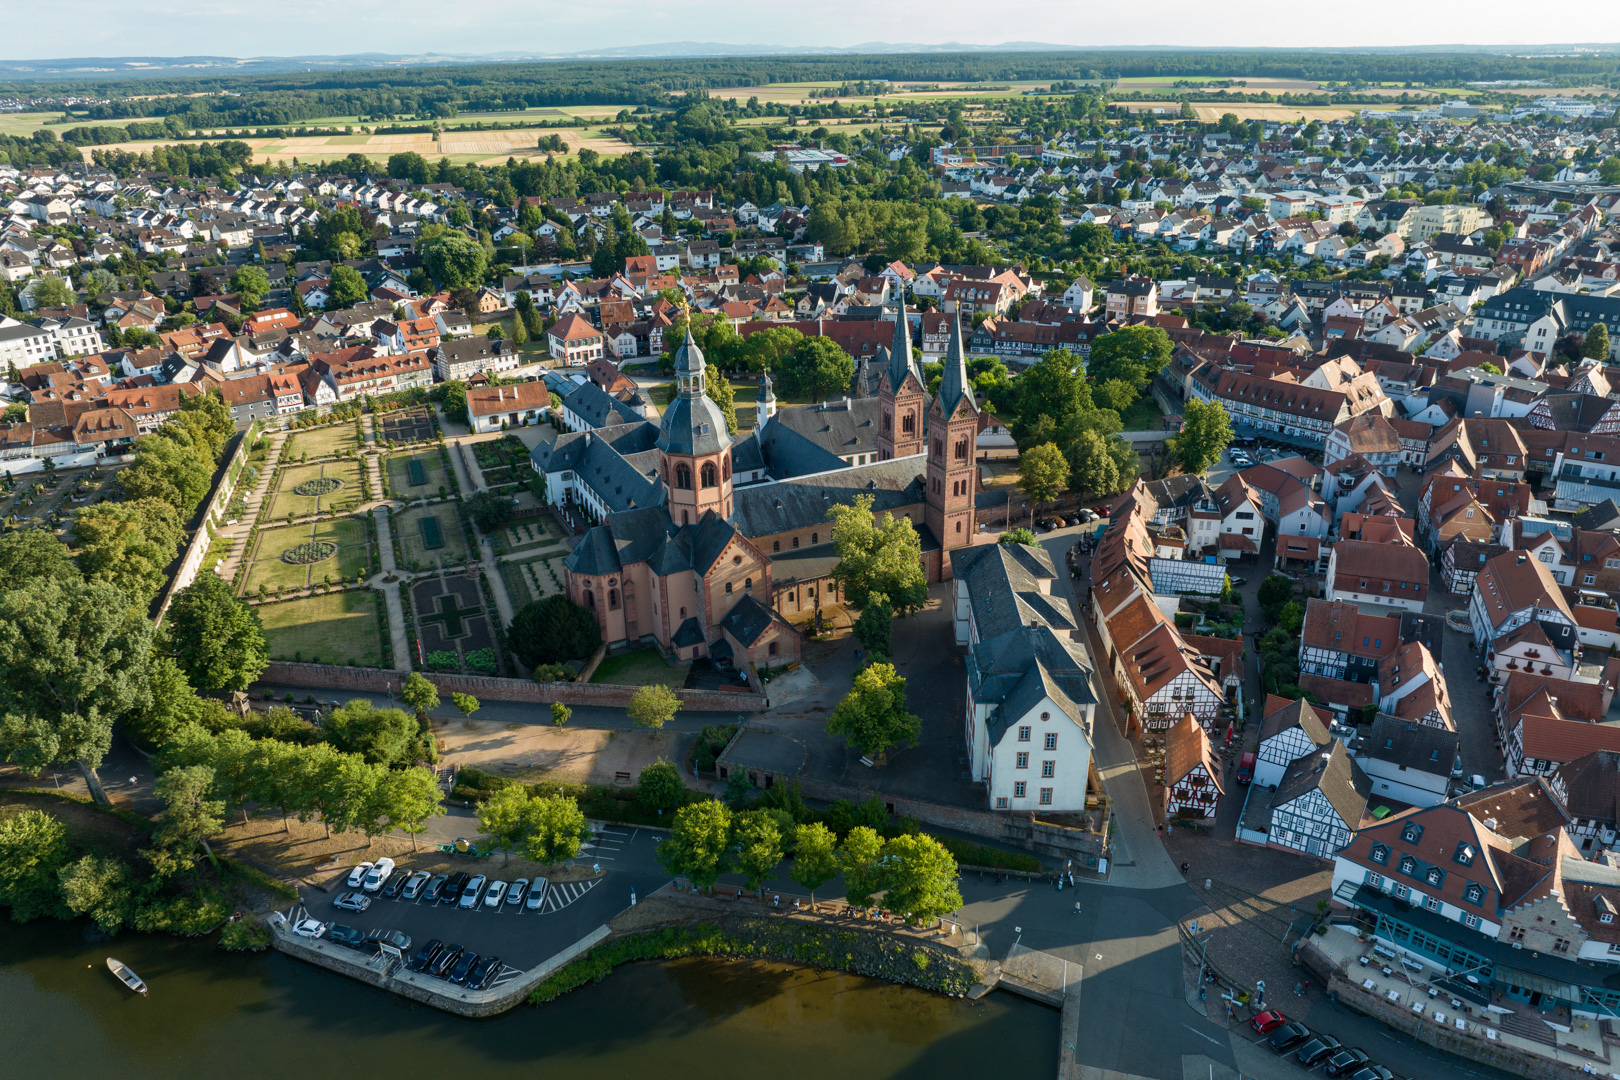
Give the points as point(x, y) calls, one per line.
point(379, 874)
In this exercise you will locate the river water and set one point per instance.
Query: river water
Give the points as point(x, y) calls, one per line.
point(214, 1014)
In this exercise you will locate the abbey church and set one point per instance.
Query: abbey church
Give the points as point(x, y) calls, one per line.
point(711, 543)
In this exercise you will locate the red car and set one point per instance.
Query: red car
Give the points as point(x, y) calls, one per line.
point(1266, 1021)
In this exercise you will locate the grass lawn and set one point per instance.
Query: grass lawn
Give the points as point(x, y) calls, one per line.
point(536, 533)
point(346, 497)
point(270, 570)
point(399, 475)
point(410, 535)
point(321, 442)
point(1143, 415)
point(337, 628)
point(644, 667)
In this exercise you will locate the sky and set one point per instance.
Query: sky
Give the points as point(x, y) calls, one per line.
point(62, 28)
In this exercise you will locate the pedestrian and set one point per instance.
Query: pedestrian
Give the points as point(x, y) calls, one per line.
point(1184, 869)
point(1077, 907)
point(776, 901)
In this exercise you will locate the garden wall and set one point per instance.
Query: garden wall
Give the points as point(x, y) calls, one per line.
point(490, 688)
point(218, 499)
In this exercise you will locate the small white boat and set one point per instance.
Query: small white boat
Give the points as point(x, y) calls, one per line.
point(126, 976)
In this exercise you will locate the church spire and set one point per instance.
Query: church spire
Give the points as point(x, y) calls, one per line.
point(954, 386)
point(900, 361)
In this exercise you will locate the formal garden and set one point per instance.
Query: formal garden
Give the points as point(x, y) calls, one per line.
point(417, 475)
point(454, 625)
point(333, 440)
point(334, 628)
point(329, 487)
point(534, 579)
point(291, 557)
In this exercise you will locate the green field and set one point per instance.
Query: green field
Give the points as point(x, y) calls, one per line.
point(644, 667)
point(345, 498)
point(399, 485)
point(321, 442)
point(408, 527)
point(353, 555)
point(335, 628)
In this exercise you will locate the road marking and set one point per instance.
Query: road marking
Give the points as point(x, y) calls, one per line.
point(1200, 1034)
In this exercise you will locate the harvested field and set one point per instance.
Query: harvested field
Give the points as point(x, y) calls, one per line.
point(469, 145)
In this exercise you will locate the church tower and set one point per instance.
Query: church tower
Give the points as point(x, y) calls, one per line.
point(694, 448)
point(764, 401)
point(953, 436)
point(902, 396)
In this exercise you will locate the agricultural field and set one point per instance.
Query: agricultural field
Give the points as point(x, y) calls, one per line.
point(461, 147)
point(1251, 85)
point(419, 475)
point(424, 545)
point(302, 490)
point(294, 556)
point(337, 628)
point(1216, 110)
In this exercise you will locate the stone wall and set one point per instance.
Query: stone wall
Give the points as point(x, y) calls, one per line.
point(490, 688)
point(218, 500)
point(1398, 1018)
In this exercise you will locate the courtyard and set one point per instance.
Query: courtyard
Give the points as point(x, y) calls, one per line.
point(420, 474)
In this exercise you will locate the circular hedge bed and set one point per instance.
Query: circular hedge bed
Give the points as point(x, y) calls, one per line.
point(312, 551)
point(321, 485)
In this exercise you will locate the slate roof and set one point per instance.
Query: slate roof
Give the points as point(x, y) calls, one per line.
point(763, 509)
point(598, 408)
point(1411, 745)
point(1004, 582)
point(842, 427)
point(747, 620)
point(692, 424)
point(1335, 774)
point(1591, 786)
point(1023, 666)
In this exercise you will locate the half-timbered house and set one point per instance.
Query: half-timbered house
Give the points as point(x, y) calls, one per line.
point(1319, 804)
point(1290, 730)
point(1192, 779)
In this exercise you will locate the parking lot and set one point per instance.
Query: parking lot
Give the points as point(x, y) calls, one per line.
point(521, 937)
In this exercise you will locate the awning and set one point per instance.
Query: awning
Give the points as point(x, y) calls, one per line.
point(1537, 984)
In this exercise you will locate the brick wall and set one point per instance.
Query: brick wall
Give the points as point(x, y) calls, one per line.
point(489, 688)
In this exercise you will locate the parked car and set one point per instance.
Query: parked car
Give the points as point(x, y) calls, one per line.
point(1266, 1021)
point(537, 894)
point(347, 936)
point(1246, 774)
point(352, 901)
point(357, 876)
point(514, 895)
point(445, 960)
point(415, 884)
point(379, 874)
point(398, 940)
point(1477, 782)
point(470, 894)
point(495, 894)
point(1346, 1062)
point(435, 888)
point(1073, 520)
point(482, 972)
point(1088, 516)
point(426, 955)
point(1323, 1046)
point(1288, 1036)
point(310, 928)
point(453, 888)
point(1238, 580)
point(396, 885)
point(463, 968)
point(1372, 1072)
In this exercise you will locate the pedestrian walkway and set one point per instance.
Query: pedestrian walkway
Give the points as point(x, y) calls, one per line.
point(237, 534)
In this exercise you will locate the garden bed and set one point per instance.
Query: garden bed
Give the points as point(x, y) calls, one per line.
point(338, 628)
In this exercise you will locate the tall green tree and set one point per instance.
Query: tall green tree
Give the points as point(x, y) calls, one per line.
point(34, 555)
point(1206, 432)
point(217, 639)
point(1043, 473)
point(73, 661)
point(815, 857)
point(346, 289)
point(100, 887)
point(875, 627)
point(757, 840)
point(34, 848)
point(816, 368)
point(659, 786)
point(552, 631)
point(877, 555)
point(408, 799)
point(653, 706)
point(699, 844)
point(501, 816)
point(554, 829)
point(191, 813)
point(858, 859)
point(1596, 344)
point(873, 717)
point(455, 260)
point(920, 876)
point(419, 694)
point(381, 736)
point(1132, 353)
point(129, 544)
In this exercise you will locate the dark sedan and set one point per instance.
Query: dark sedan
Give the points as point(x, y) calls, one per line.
point(1372, 1072)
point(463, 968)
point(1319, 1048)
point(426, 955)
point(445, 961)
point(1346, 1062)
point(482, 972)
point(451, 893)
point(346, 936)
point(1288, 1036)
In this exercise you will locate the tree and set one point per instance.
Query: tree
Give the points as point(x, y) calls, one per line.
point(1275, 591)
point(1490, 366)
point(380, 736)
point(250, 283)
point(34, 847)
point(873, 717)
point(815, 857)
point(554, 828)
point(552, 631)
point(767, 350)
point(717, 388)
point(419, 694)
point(454, 400)
point(877, 555)
point(129, 544)
point(408, 798)
point(501, 816)
point(875, 625)
point(1206, 432)
point(815, 368)
point(1132, 353)
point(659, 786)
point(1096, 468)
point(653, 706)
point(1019, 535)
point(758, 842)
point(168, 469)
point(1043, 473)
point(921, 878)
point(98, 886)
point(465, 704)
point(455, 260)
point(858, 860)
point(346, 289)
point(217, 639)
point(73, 661)
point(1116, 394)
point(699, 843)
point(490, 511)
point(191, 813)
point(172, 703)
point(53, 292)
point(560, 714)
point(1596, 345)
point(1609, 170)
point(34, 555)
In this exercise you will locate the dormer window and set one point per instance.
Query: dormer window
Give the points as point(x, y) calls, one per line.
point(1412, 833)
point(1465, 854)
point(1408, 865)
point(1380, 854)
point(1434, 876)
point(1474, 894)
